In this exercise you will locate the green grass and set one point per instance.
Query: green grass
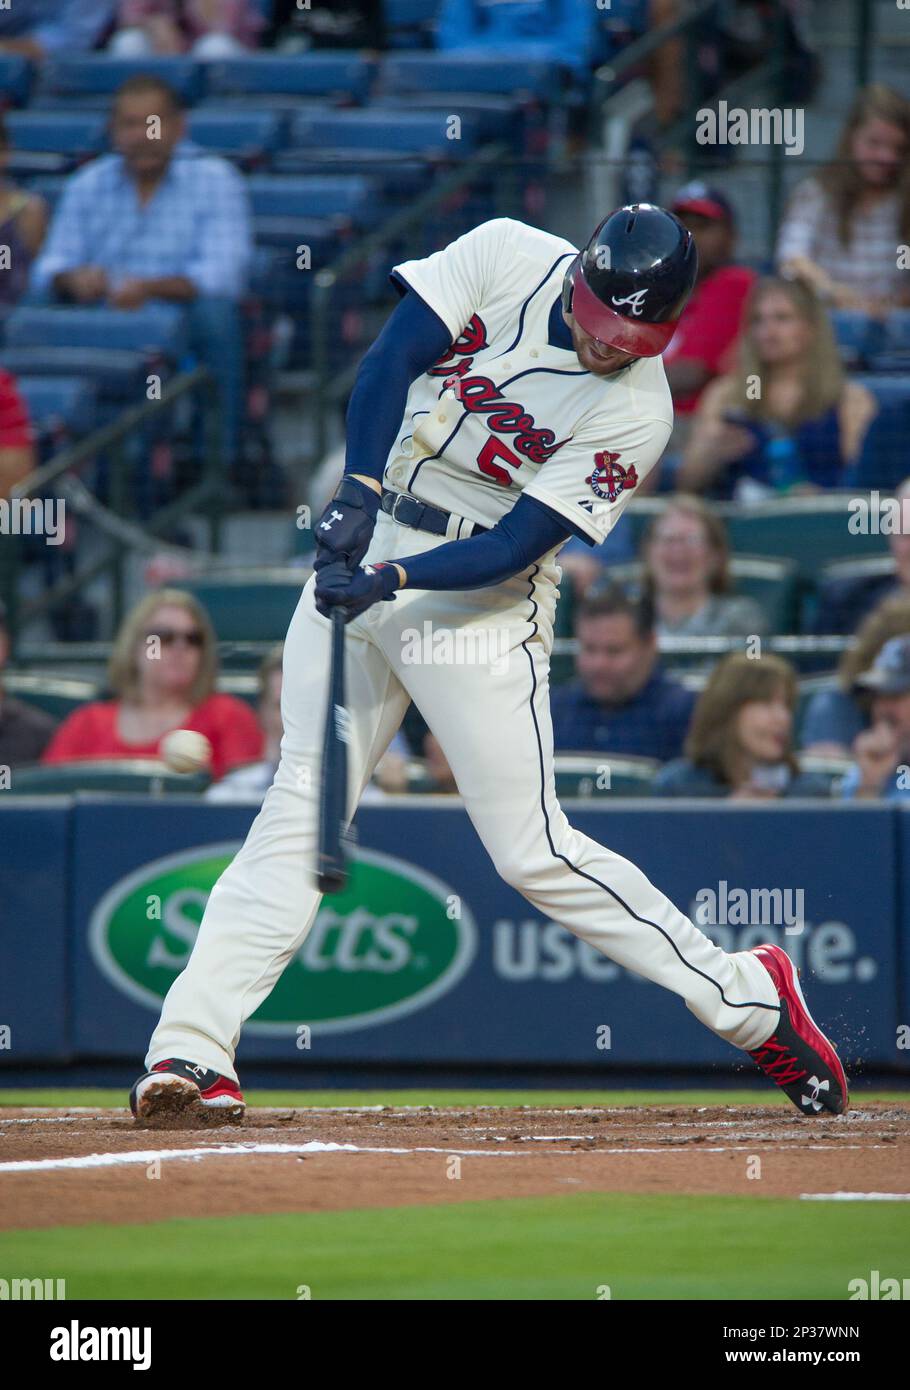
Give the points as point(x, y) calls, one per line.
point(61, 1096)
point(563, 1247)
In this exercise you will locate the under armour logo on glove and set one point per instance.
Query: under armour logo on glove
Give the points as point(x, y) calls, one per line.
point(345, 528)
point(332, 517)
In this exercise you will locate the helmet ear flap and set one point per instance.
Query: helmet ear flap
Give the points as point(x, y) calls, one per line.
point(568, 286)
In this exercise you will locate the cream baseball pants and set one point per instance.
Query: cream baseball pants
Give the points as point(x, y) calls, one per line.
point(476, 664)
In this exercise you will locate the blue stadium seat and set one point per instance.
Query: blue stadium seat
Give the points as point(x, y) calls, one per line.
point(334, 77)
point(855, 334)
point(158, 328)
point(72, 133)
point(410, 23)
point(55, 402)
point(891, 352)
point(248, 137)
point(493, 74)
point(381, 131)
point(888, 390)
point(118, 374)
point(15, 78)
point(91, 80)
point(348, 196)
point(49, 187)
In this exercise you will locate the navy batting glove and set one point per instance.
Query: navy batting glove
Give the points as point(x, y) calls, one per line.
point(354, 591)
point(345, 529)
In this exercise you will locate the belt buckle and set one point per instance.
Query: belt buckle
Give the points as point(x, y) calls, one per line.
point(401, 497)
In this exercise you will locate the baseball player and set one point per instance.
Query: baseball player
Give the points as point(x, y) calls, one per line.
point(515, 397)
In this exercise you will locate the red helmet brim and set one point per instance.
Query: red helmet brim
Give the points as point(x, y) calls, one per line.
point(607, 326)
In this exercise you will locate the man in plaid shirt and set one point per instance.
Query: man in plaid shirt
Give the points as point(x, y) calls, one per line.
point(161, 220)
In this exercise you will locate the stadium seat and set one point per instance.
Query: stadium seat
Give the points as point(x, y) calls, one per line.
point(274, 79)
point(15, 78)
point(154, 328)
point(59, 402)
point(603, 774)
point(128, 776)
point(831, 770)
point(56, 695)
point(808, 530)
point(855, 334)
point(380, 131)
point(117, 375)
point(75, 133)
point(889, 391)
point(49, 187)
point(891, 352)
point(90, 80)
point(247, 137)
point(492, 74)
point(410, 23)
point(250, 604)
point(343, 196)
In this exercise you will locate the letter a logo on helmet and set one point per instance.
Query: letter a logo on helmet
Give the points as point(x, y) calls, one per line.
point(630, 284)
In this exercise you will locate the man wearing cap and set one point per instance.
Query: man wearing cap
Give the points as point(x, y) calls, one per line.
point(25, 731)
point(882, 752)
point(703, 344)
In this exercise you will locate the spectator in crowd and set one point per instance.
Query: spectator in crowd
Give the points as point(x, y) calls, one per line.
point(622, 700)
point(834, 717)
point(162, 672)
point(843, 230)
point(843, 603)
point(209, 29)
point(787, 419)
point(252, 780)
point(357, 24)
point(17, 445)
point(23, 224)
point(39, 29)
point(703, 346)
point(158, 220)
point(559, 31)
point(24, 731)
point(882, 751)
point(687, 576)
point(740, 744)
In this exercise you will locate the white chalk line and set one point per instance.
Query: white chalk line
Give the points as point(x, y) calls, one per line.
point(146, 1156)
point(854, 1196)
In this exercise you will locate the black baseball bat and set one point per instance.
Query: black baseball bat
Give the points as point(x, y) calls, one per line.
point(332, 866)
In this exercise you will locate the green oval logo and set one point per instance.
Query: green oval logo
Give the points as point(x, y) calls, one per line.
point(396, 939)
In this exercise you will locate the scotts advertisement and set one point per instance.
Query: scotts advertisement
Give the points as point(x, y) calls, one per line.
point(428, 956)
point(394, 941)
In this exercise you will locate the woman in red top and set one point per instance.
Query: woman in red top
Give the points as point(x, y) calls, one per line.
point(162, 671)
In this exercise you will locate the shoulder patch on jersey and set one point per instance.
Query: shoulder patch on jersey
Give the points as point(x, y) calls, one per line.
point(609, 477)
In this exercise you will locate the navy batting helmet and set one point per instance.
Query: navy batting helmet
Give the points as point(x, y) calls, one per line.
point(630, 284)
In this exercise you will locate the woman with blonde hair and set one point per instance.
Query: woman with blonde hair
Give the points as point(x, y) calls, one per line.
point(834, 717)
point(687, 575)
point(787, 419)
point(162, 673)
point(740, 742)
point(843, 229)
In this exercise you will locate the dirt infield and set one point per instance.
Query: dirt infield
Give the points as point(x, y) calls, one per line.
point(69, 1167)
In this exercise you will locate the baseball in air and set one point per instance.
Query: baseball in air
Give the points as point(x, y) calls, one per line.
point(185, 750)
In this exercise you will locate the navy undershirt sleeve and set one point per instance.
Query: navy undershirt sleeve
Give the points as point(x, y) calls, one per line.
point(413, 338)
point(518, 540)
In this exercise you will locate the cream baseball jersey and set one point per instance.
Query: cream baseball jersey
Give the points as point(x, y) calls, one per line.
point(504, 410)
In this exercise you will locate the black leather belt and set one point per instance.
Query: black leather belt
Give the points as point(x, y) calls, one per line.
point(421, 516)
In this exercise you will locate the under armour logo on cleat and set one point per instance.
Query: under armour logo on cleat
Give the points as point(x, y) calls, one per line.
point(333, 516)
point(817, 1086)
point(197, 1071)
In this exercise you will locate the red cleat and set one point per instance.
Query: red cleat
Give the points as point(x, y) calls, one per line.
point(798, 1057)
point(176, 1093)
